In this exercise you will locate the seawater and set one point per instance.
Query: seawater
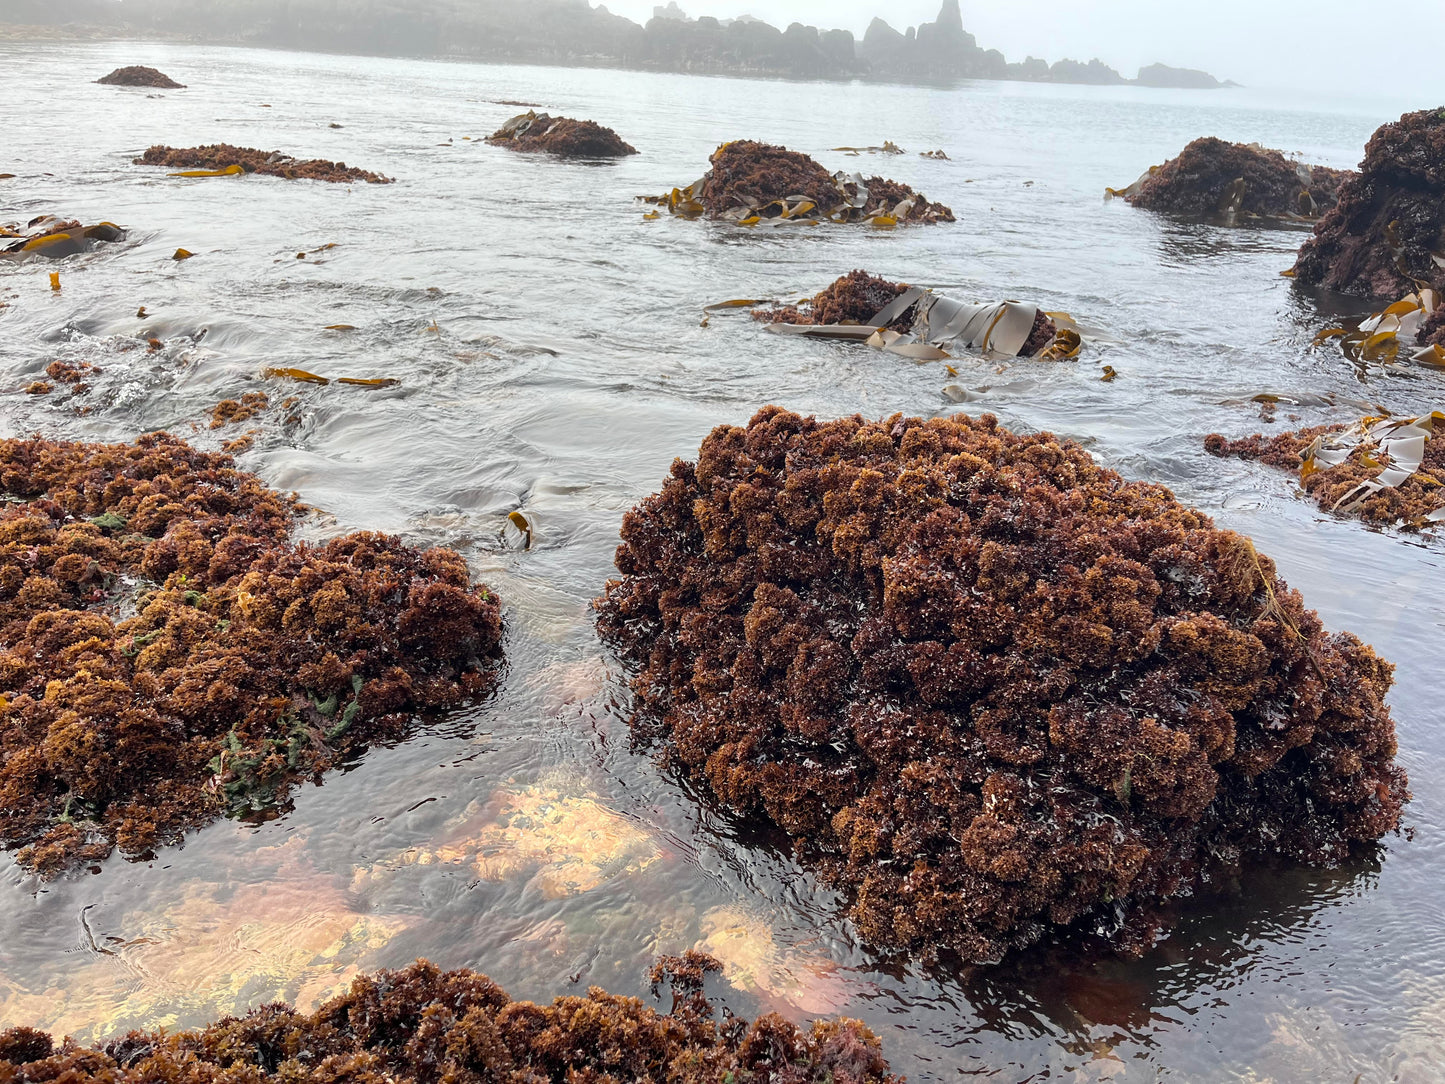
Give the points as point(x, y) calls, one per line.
point(552, 358)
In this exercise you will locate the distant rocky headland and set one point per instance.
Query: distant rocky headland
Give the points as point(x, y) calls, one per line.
point(573, 32)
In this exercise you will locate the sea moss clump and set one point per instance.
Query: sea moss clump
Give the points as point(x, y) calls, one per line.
point(855, 298)
point(168, 654)
point(421, 1025)
point(1211, 176)
point(1407, 506)
point(1383, 238)
point(986, 686)
point(541, 132)
point(747, 175)
point(139, 76)
point(218, 156)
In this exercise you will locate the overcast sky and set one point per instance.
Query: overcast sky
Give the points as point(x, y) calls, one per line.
point(1349, 46)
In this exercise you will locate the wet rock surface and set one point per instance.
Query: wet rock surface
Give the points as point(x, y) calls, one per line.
point(542, 133)
point(140, 76)
point(220, 156)
point(424, 1025)
point(987, 688)
point(169, 655)
point(1386, 235)
point(56, 238)
point(1213, 177)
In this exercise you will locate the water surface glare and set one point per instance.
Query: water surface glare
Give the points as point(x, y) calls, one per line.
point(549, 345)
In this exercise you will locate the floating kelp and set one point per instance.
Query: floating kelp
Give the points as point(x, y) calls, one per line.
point(421, 1025)
point(534, 132)
point(306, 377)
point(222, 159)
point(1214, 178)
point(169, 655)
point(1386, 236)
point(756, 184)
point(1397, 330)
point(920, 324)
point(139, 76)
point(986, 686)
point(56, 238)
point(1389, 471)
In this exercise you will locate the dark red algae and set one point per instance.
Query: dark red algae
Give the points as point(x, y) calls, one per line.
point(855, 298)
point(168, 654)
point(421, 1025)
point(562, 136)
point(1212, 176)
point(219, 156)
point(988, 688)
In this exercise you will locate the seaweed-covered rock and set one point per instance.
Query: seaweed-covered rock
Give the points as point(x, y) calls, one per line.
point(140, 76)
point(222, 156)
point(1211, 177)
point(563, 136)
point(750, 181)
point(422, 1025)
point(1379, 470)
point(1386, 235)
point(855, 298)
point(986, 686)
point(56, 238)
point(168, 654)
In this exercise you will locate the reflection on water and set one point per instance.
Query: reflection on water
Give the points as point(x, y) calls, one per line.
point(552, 360)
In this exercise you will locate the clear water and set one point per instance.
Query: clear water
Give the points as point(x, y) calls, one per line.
point(549, 345)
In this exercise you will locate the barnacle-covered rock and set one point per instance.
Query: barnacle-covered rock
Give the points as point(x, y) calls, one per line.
point(138, 75)
point(533, 131)
point(1214, 177)
point(421, 1025)
point(168, 654)
point(223, 157)
point(986, 686)
point(1386, 236)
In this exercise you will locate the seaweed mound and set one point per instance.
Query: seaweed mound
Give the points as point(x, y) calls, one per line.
point(750, 181)
point(986, 686)
point(139, 76)
point(540, 132)
point(168, 655)
point(1386, 236)
point(1347, 469)
point(222, 156)
point(421, 1025)
point(1212, 177)
point(855, 298)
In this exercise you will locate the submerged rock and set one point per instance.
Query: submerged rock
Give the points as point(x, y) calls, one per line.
point(55, 238)
point(751, 182)
point(1213, 177)
point(168, 654)
point(1386, 235)
point(139, 76)
point(420, 1025)
point(539, 132)
point(987, 687)
point(219, 157)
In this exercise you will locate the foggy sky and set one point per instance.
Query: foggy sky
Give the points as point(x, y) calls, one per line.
point(1330, 46)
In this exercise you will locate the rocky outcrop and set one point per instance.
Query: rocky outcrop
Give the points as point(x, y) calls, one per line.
point(1212, 177)
point(137, 76)
point(540, 133)
point(1386, 235)
point(1161, 75)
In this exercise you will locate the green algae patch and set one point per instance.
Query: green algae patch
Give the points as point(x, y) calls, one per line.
point(169, 655)
point(989, 689)
point(421, 1025)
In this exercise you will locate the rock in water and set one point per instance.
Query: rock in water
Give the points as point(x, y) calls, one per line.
point(1212, 177)
point(139, 76)
point(1386, 236)
point(540, 132)
point(986, 686)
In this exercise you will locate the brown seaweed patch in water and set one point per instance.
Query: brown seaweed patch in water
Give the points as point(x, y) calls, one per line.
point(1386, 236)
point(231, 411)
point(1409, 505)
point(218, 156)
point(533, 132)
point(427, 1026)
point(138, 75)
point(986, 686)
point(168, 655)
point(855, 298)
point(1211, 177)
